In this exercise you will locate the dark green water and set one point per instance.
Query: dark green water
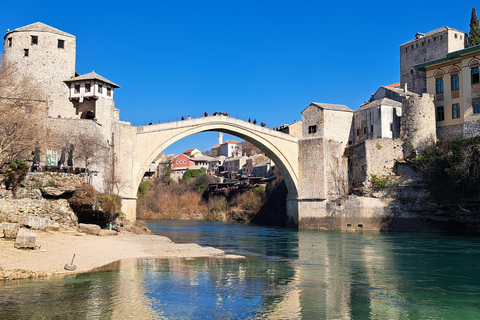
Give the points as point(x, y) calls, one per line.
point(288, 274)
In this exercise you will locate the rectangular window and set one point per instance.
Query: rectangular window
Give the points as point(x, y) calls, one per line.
point(77, 88)
point(440, 114)
point(391, 126)
point(365, 130)
point(455, 82)
point(358, 132)
point(475, 76)
point(25, 52)
point(9, 41)
point(61, 44)
point(439, 85)
point(312, 129)
point(34, 39)
point(455, 111)
point(476, 105)
point(109, 92)
point(100, 88)
point(87, 87)
point(371, 128)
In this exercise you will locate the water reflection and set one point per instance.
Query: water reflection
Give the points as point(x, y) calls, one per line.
point(287, 275)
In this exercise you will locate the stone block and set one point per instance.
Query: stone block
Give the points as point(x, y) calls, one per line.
point(10, 230)
point(108, 232)
point(89, 228)
point(26, 240)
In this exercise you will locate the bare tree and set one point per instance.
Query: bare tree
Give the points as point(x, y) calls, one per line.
point(339, 176)
point(90, 149)
point(22, 114)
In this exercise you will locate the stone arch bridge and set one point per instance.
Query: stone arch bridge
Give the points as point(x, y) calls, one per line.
point(136, 147)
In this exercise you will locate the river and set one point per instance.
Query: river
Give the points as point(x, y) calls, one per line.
point(288, 274)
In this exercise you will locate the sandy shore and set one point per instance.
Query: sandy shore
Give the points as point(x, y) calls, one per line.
point(56, 250)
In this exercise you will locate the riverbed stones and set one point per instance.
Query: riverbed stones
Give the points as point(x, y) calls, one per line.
point(89, 228)
point(26, 240)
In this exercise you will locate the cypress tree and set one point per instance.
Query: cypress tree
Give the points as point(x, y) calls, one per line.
point(474, 35)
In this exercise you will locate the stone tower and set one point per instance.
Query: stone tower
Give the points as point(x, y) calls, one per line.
point(424, 48)
point(418, 124)
point(46, 55)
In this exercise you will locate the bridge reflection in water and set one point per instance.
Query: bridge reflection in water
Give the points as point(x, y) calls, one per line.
point(287, 275)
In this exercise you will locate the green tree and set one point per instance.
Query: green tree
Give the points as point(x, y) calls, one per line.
point(16, 172)
point(474, 35)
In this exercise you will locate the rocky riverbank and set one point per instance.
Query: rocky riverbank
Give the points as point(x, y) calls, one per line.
point(56, 249)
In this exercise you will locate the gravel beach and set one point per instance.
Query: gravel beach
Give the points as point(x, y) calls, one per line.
point(57, 249)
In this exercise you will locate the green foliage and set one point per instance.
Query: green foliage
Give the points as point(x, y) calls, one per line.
point(16, 172)
point(41, 187)
point(143, 188)
point(453, 170)
point(193, 173)
point(379, 184)
point(86, 197)
point(474, 35)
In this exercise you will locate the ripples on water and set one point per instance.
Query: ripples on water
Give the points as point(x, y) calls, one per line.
point(288, 274)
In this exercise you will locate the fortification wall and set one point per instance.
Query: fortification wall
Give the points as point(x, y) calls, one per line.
point(418, 124)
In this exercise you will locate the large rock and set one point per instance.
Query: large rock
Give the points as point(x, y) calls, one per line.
point(10, 230)
point(108, 232)
point(26, 240)
point(89, 228)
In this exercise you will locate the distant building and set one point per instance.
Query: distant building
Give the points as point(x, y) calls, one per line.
point(231, 149)
point(294, 129)
point(234, 164)
point(263, 169)
point(215, 165)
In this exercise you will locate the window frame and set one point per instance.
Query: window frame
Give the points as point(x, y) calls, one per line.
point(456, 111)
point(61, 44)
point(311, 129)
point(476, 105)
point(34, 40)
point(455, 82)
point(26, 53)
point(439, 85)
point(76, 88)
point(88, 87)
point(475, 75)
point(440, 110)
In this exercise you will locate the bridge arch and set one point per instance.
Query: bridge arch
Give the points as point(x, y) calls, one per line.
point(153, 139)
point(280, 147)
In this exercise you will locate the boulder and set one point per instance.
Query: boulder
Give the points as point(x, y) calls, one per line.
point(10, 230)
point(104, 232)
point(89, 228)
point(26, 240)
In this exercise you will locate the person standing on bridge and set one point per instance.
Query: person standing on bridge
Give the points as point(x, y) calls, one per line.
point(188, 118)
point(182, 118)
point(249, 120)
point(254, 121)
point(206, 114)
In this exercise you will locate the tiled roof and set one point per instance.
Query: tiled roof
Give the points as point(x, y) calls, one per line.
point(92, 76)
point(217, 146)
point(328, 106)
point(42, 27)
point(393, 85)
point(231, 141)
point(380, 102)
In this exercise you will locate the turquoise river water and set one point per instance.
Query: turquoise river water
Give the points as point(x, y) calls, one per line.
point(288, 274)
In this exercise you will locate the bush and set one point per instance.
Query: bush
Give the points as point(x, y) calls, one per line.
point(379, 184)
point(16, 172)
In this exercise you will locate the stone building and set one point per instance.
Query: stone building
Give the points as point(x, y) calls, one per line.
point(73, 106)
point(431, 46)
point(377, 119)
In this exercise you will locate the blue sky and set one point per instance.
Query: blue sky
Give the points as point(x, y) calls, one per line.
point(266, 60)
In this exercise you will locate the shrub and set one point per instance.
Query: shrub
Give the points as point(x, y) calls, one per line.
point(16, 172)
point(379, 184)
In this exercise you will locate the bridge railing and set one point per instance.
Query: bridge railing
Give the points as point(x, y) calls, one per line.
point(152, 121)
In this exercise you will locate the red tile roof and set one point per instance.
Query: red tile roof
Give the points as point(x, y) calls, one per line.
point(393, 85)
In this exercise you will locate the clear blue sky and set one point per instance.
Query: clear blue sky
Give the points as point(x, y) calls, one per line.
point(261, 59)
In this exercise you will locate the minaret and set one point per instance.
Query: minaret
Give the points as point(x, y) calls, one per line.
point(220, 138)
